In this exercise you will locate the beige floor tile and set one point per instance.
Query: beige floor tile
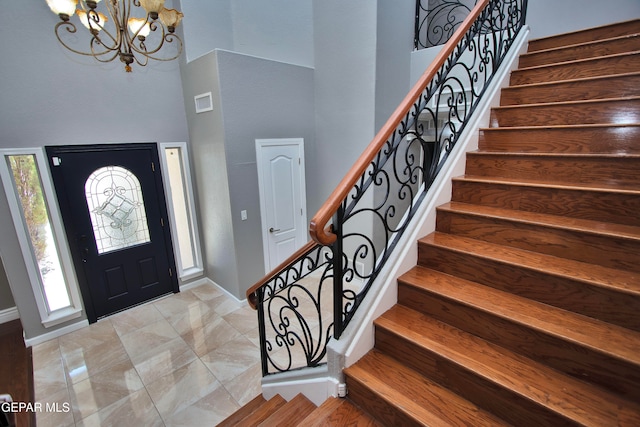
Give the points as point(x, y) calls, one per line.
point(183, 387)
point(254, 336)
point(60, 418)
point(82, 363)
point(43, 354)
point(247, 385)
point(135, 410)
point(224, 305)
point(214, 334)
point(163, 360)
point(103, 389)
point(176, 303)
point(208, 411)
point(49, 380)
point(135, 318)
point(153, 364)
point(243, 319)
point(193, 317)
point(89, 337)
point(232, 359)
point(141, 341)
point(206, 292)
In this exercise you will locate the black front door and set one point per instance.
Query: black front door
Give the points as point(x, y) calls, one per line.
point(113, 207)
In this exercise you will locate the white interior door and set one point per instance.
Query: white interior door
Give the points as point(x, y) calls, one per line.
point(282, 198)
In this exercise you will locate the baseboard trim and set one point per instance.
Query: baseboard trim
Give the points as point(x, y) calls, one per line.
point(9, 314)
point(30, 342)
point(207, 281)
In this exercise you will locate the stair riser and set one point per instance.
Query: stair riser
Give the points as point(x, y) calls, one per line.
point(578, 90)
point(563, 170)
point(586, 36)
point(578, 140)
point(500, 401)
point(596, 112)
point(618, 64)
point(591, 205)
point(580, 362)
point(375, 405)
point(590, 50)
point(608, 251)
point(562, 292)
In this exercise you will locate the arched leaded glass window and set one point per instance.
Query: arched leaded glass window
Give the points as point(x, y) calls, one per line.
point(116, 207)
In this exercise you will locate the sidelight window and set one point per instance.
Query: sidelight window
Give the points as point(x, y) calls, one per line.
point(39, 231)
point(184, 227)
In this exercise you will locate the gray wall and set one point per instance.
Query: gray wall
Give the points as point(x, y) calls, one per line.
point(345, 65)
point(281, 30)
point(550, 17)
point(253, 98)
point(52, 97)
point(6, 299)
point(394, 40)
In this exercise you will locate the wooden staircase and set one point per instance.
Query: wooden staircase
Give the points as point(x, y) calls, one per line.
point(299, 411)
point(524, 308)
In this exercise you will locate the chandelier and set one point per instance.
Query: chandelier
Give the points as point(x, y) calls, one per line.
point(132, 30)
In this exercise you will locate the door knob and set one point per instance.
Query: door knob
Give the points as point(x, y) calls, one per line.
point(273, 230)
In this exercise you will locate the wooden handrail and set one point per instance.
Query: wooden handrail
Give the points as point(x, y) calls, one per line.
point(251, 292)
point(318, 226)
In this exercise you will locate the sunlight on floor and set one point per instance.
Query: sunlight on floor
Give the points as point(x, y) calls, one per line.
point(190, 359)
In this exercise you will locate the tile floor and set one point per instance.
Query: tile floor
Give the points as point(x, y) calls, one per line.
point(189, 359)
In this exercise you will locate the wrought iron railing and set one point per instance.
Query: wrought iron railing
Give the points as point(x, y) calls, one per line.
point(437, 20)
point(313, 295)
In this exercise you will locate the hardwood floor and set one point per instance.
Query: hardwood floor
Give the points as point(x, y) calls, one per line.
point(16, 370)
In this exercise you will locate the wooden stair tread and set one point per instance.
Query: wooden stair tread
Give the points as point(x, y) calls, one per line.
point(418, 397)
point(604, 188)
point(263, 412)
point(580, 61)
point(621, 343)
point(291, 413)
point(551, 221)
point(561, 155)
point(576, 80)
point(242, 413)
point(580, 46)
point(579, 103)
point(337, 412)
point(595, 87)
point(595, 275)
point(531, 380)
point(586, 125)
point(585, 35)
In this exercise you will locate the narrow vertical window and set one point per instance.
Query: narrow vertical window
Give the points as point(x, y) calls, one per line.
point(38, 228)
point(26, 179)
point(181, 207)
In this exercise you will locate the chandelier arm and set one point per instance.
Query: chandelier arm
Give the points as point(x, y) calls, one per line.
point(102, 30)
point(142, 49)
point(99, 56)
point(169, 38)
point(71, 28)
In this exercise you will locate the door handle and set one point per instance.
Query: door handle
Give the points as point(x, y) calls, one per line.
point(273, 230)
